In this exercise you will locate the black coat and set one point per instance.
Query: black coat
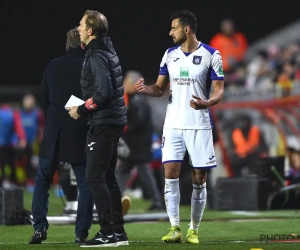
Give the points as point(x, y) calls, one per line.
point(102, 85)
point(138, 135)
point(64, 138)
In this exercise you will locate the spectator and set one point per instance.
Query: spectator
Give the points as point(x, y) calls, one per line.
point(33, 122)
point(293, 175)
point(231, 44)
point(258, 72)
point(12, 135)
point(290, 199)
point(138, 137)
point(284, 85)
point(247, 140)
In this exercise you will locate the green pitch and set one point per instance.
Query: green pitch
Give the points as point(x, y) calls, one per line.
point(222, 230)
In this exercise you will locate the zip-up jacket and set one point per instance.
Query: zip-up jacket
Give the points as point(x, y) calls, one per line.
point(102, 85)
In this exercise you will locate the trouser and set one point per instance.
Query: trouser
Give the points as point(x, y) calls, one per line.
point(43, 180)
point(101, 164)
point(30, 171)
point(7, 156)
point(146, 177)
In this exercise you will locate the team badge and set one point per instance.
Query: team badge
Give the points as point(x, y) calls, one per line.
point(197, 60)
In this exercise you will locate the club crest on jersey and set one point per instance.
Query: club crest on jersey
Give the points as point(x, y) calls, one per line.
point(197, 60)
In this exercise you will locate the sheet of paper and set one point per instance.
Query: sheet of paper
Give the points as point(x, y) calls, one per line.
point(73, 102)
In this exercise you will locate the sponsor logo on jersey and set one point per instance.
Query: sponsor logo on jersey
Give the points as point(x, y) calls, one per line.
point(183, 81)
point(184, 71)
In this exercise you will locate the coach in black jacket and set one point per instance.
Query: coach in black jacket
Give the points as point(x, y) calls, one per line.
point(102, 87)
point(64, 139)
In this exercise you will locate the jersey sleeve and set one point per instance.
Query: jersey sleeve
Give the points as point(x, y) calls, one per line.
point(163, 70)
point(217, 66)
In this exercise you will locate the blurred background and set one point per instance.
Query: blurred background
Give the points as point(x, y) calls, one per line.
point(256, 127)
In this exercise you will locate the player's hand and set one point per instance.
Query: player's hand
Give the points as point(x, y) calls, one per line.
point(140, 85)
point(73, 112)
point(198, 103)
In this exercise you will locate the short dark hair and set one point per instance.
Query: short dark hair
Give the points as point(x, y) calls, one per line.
point(73, 39)
point(186, 18)
point(97, 22)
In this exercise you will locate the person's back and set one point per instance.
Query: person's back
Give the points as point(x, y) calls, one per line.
point(64, 75)
point(64, 140)
point(138, 132)
point(60, 72)
point(138, 136)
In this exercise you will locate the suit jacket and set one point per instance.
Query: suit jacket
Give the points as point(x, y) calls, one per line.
point(64, 138)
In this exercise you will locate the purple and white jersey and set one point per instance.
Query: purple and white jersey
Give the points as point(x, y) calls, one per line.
point(190, 74)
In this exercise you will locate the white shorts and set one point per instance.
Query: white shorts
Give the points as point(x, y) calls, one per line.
point(198, 143)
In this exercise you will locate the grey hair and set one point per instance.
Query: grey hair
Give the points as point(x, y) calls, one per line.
point(73, 39)
point(133, 76)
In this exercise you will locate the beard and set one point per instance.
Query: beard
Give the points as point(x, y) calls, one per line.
point(180, 40)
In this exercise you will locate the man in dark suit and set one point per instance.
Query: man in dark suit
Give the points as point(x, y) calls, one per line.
point(63, 140)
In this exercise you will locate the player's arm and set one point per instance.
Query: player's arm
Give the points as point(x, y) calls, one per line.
point(217, 94)
point(217, 76)
point(155, 90)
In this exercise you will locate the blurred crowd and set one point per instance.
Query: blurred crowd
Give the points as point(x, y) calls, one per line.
point(20, 134)
point(275, 69)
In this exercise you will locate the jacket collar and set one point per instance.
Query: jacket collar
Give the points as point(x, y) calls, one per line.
point(102, 43)
point(75, 53)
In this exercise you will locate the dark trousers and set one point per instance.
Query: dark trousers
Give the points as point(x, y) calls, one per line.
point(28, 153)
point(102, 155)
point(43, 180)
